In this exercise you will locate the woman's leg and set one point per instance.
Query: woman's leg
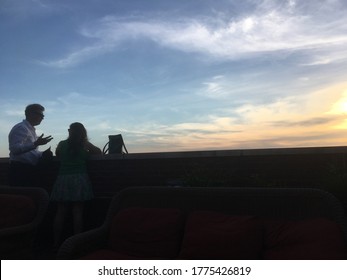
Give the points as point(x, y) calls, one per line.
point(77, 214)
point(58, 224)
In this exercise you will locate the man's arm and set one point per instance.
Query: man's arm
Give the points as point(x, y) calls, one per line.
point(21, 141)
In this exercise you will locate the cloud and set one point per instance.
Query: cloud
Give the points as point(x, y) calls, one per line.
point(307, 122)
point(256, 32)
point(74, 98)
point(78, 56)
point(336, 53)
point(17, 113)
point(23, 9)
point(214, 124)
point(215, 88)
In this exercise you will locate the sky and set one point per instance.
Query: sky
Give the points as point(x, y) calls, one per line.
point(183, 75)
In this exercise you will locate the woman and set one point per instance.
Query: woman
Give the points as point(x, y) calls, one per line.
point(72, 187)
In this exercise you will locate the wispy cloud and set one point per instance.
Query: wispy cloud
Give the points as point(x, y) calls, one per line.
point(337, 54)
point(215, 88)
point(78, 56)
point(24, 9)
point(73, 98)
point(277, 29)
point(315, 121)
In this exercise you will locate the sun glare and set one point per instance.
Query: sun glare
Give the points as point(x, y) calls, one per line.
point(344, 106)
point(340, 107)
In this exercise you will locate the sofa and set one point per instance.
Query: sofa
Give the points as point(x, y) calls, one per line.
point(215, 223)
point(22, 209)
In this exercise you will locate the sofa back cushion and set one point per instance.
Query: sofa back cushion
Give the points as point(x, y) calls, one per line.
point(147, 232)
point(317, 238)
point(214, 235)
point(16, 210)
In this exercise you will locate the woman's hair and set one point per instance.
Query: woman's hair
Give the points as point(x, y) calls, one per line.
point(77, 138)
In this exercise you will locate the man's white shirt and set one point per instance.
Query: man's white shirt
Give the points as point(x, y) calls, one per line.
point(21, 143)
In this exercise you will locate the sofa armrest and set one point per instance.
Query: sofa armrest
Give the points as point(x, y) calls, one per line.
point(81, 244)
point(22, 209)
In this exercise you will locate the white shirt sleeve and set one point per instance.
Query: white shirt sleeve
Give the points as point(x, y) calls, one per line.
point(21, 140)
point(21, 144)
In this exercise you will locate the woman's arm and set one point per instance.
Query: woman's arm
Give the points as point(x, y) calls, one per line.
point(93, 150)
point(58, 149)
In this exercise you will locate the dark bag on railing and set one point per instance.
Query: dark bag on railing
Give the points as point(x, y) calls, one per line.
point(115, 145)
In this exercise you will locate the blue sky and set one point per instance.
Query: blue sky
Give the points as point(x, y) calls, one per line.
point(178, 75)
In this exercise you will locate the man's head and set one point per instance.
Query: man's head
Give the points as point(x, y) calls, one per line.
point(34, 114)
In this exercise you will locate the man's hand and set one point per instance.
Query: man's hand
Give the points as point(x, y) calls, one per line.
point(43, 140)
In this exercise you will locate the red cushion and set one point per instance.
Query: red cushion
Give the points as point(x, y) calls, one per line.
point(147, 232)
point(213, 235)
point(16, 210)
point(308, 239)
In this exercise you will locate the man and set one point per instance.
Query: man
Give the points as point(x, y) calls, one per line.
point(23, 145)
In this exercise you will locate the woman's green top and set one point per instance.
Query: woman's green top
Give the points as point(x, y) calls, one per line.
point(71, 164)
